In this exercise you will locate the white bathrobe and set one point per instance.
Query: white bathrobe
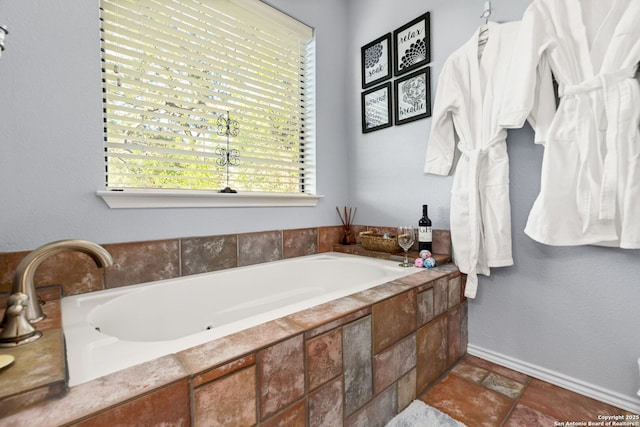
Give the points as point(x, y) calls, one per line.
point(465, 116)
point(590, 183)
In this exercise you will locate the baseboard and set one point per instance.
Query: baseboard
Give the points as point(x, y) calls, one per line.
point(607, 396)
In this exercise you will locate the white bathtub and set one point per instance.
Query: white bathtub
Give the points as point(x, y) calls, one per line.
point(110, 330)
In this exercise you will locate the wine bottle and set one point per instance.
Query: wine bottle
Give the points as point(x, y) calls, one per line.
point(424, 231)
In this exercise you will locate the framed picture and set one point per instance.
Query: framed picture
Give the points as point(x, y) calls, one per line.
point(412, 45)
point(376, 108)
point(413, 96)
point(376, 61)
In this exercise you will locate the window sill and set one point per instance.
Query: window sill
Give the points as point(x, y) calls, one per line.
point(129, 199)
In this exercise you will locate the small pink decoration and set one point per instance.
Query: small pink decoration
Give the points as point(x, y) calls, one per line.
point(419, 263)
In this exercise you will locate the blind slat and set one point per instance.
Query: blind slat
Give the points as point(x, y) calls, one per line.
point(134, 89)
point(207, 49)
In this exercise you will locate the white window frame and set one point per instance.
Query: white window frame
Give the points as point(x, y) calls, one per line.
point(158, 198)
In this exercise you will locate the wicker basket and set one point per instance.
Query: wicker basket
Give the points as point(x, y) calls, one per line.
point(376, 242)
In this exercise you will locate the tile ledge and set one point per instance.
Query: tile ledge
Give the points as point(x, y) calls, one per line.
point(22, 388)
point(102, 394)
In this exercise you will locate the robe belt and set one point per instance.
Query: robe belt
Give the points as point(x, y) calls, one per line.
point(610, 85)
point(475, 155)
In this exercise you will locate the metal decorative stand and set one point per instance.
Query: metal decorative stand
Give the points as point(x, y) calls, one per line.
point(228, 157)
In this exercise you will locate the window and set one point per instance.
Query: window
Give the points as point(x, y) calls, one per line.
point(174, 71)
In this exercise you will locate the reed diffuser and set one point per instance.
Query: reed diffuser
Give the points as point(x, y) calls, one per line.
point(346, 216)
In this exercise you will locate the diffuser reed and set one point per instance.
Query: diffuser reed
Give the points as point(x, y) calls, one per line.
point(346, 216)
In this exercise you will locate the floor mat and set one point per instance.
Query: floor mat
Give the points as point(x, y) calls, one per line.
point(420, 414)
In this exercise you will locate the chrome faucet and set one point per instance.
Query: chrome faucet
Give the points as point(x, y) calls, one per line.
point(23, 281)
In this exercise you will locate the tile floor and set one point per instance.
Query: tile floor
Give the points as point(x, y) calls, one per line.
point(482, 394)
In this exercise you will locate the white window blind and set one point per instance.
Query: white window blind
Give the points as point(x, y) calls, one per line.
point(172, 69)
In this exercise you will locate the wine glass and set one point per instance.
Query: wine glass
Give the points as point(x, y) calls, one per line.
point(406, 237)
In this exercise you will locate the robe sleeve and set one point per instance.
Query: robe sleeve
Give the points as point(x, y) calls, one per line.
point(524, 78)
point(442, 139)
point(544, 103)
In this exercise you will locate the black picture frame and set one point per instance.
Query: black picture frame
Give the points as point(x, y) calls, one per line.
point(376, 108)
point(413, 96)
point(376, 61)
point(412, 45)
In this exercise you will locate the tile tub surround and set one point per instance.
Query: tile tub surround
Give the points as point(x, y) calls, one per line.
point(357, 360)
point(137, 262)
point(141, 262)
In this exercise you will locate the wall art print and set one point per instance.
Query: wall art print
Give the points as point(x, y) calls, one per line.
point(376, 108)
point(376, 61)
point(413, 96)
point(412, 45)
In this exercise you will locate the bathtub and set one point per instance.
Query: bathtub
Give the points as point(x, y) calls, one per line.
point(110, 330)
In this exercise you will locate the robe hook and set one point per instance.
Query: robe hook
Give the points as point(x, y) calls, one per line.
point(487, 12)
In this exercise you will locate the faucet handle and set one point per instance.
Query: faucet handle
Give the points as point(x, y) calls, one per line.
point(19, 298)
point(16, 298)
point(17, 329)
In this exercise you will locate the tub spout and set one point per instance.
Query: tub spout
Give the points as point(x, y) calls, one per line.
point(23, 281)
